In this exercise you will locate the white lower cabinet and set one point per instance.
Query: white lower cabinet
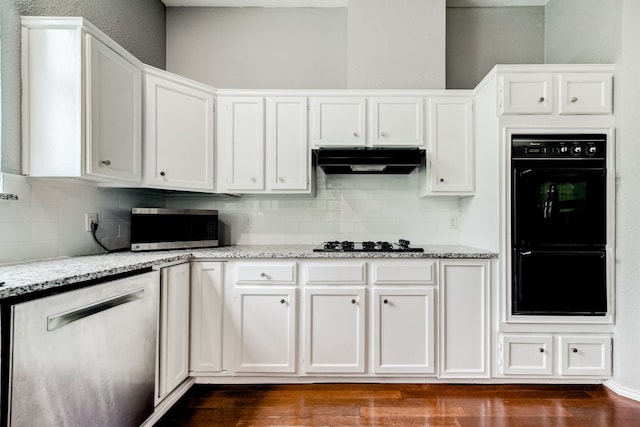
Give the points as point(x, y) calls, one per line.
point(173, 366)
point(334, 330)
point(403, 330)
point(464, 319)
point(207, 292)
point(266, 329)
point(556, 356)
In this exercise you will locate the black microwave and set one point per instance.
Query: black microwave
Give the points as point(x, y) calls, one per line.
point(161, 228)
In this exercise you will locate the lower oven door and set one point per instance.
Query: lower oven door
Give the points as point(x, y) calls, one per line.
point(559, 283)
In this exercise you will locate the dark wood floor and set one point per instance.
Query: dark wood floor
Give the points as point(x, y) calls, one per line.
point(403, 405)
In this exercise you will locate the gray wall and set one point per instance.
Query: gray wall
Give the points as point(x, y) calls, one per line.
point(285, 48)
point(137, 25)
point(583, 31)
point(479, 38)
point(396, 45)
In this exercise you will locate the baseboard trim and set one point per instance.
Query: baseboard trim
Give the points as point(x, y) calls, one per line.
point(623, 391)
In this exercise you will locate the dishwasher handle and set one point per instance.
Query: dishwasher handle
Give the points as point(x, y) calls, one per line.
point(59, 320)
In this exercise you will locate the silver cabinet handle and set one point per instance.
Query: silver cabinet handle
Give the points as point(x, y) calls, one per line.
point(574, 99)
point(263, 275)
point(383, 134)
point(253, 179)
point(541, 99)
point(106, 162)
point(356, 134)
point(59, 320)
point(280, 179)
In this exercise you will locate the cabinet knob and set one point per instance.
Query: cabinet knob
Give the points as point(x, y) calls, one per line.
point(353, 301)
point(282, 301)
point(356, 134)
point(574, 99)
point(575, 350)
point(386, 301)
point(441, 179)
point(541, 350)
point(280, 179)
point(263, 275)
point(541, 99)
point(383, 134)
point(106, 162)
point(162, 173)
point(253, 179)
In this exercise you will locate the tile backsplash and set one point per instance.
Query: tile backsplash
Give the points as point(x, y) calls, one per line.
point(351, 207)
point(47, 220)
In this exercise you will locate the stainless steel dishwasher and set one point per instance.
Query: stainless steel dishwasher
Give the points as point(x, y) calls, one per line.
point(85, 357)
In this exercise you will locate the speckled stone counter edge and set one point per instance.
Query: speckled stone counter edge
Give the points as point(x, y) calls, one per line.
point(25, 278)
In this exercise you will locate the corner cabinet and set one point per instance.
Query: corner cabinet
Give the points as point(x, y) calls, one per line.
point(82, 117)
point(179, 133)
point(450, 168)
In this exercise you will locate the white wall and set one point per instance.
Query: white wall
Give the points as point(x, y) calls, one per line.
point(48, 219)
point(284, 48)
point(480, 38)
point(396, 44)
point(353, 207)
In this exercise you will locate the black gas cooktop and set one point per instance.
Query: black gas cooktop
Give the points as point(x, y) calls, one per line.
point(367, 246)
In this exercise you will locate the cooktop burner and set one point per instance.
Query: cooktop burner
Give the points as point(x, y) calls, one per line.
point(367, 246)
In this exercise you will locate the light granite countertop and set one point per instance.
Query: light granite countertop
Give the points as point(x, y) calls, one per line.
point(31, 277)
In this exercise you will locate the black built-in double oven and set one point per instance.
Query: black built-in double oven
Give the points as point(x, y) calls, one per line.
point(559, 225)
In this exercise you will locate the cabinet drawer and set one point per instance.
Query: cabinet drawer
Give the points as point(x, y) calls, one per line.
point(273, 273)
point(527, 355)
point(527, 93)
point(581, 355)
point(584, 93)
point(404, 273)
point(353, 273)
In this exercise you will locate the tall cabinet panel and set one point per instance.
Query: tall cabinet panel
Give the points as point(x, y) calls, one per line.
point(243, 139)
point(179, 133)
point(287, 149)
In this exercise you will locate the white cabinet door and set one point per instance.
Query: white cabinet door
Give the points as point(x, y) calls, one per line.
point(179, 133)
point(526, 93)
point(265, 319)
point(338, 121)
point(114, 125)
point(464, 319)
point(450, 156)
point(243, 139)
point(334, 330)
point(287, 149)
point(82, 110)
point(403, 330)
point(585, 93)
point(174, 328)
point(397, 121)
point(527, 354)
point(585, 355)
point(207, 291)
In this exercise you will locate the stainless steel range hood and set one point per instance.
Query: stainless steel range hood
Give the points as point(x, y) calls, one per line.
point(368, 160)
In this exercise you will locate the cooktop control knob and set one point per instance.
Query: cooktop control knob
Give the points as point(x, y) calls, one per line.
point(577, 150)
point(593, 150)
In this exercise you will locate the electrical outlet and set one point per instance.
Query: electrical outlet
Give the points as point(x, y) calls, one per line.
point(89, 218)
point(453, 222)
point(248, 222)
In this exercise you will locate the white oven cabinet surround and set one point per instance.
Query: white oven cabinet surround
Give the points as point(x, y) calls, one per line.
point(82, 103)
point(263, 145)
point(178, 133)
point(173, 349)
point(563, 93)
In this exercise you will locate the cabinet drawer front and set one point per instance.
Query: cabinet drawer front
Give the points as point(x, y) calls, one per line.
point(404, 273)
point(527, 355)
point(585, 93)
point(527, 93)
point(585, 355)
point(273, 273)
point(351, 274)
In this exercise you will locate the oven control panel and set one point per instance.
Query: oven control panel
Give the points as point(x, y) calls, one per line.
point(544, 147)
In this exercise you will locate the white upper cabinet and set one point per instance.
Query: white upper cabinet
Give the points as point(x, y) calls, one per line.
point(179, 150)
point(397, 121)
point(555, 93)
point(527, 93)
point(450, 166)
point(82, 102)
point(584, 93)
point(288, 157)
point(243, 139)
point(338, 121)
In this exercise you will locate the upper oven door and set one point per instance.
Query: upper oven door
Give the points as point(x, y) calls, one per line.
point(558, 204)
